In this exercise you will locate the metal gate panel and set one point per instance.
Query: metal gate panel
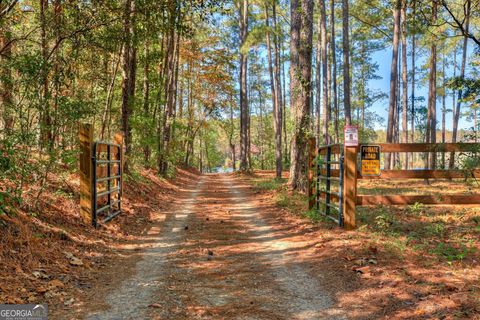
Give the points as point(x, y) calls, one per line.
point(112, 182)
point(324, 200)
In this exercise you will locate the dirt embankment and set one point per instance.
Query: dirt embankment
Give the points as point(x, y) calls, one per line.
point(47, 255)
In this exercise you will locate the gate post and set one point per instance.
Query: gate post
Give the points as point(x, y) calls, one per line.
point(311, 157)
point(86, 177)
point(118, 139)
point(350, 187)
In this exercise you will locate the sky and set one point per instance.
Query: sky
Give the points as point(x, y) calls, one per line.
point(384, 58)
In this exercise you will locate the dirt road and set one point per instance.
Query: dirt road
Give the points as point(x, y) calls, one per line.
point(218, 254)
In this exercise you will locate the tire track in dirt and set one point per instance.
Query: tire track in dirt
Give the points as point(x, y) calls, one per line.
point(131, 299)
point(301, 292)
point(218, 255)
point(253, 273)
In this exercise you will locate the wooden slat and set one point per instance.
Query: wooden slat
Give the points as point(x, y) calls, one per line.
point(336, 149)
point(367, 200)
point(423, 174)
point(104, 148)
point(311, 157)
point(333, 197)
point(429, 147)
point(103, 173)
point(349, 187)
point(333, 172)
point(86, 141)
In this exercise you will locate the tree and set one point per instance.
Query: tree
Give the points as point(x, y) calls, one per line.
point(301, 30)
point(346, 64)
point(325, 83)
point(333, 50)
point(393, 80)
point(404, 79)
point(432, 92)
point(456, 111)
point(273, 67)
point(244, 109)
point(128, 75)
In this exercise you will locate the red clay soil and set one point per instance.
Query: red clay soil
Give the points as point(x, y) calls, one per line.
point(47, 255)
point(214, 247)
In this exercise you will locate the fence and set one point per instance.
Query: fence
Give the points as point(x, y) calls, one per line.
point(351, 174)
point(101, 167)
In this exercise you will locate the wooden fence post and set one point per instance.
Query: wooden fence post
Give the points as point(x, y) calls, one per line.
point(118, 139)
point(349, 187)
point(86, 178)
point(311, 166)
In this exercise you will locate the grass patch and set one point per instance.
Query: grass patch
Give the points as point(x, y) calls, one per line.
point(269, 184)
point(452, 251)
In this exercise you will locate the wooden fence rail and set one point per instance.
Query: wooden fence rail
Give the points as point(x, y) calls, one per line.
point(352, 175)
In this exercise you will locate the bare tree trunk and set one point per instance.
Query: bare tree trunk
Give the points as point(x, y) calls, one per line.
point(325, 84)
point(127, 68)
point(169, 116)
point(277, 109)
point(244, 109)
point(334, 71)
point(444, 107)
point(412, 120)
point(146, 98)
point(393, 81)
point(432, 93)
point(456, 111)
point(108, 103)
point(279, 92)
point(6, 81)
point(404, 80)
point(46, 119)
point(300, 84)
point(346, 64)
point(284, 109)
point(318, 84)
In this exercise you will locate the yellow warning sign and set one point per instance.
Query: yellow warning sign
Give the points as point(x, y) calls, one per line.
point(370, 160)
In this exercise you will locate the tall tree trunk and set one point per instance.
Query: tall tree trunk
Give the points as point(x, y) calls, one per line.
point(346, 64)
point(277, 111)
point(432, 92)
point(146, 99)
point(300, 85)
point(170, 96)
point(393, 81)
point(412, 120)
point(334, 71)
point(244, 109)
point(46, 118)
point(404, 81)
point(127, 76)
point(456, 111)
point(284, 109)
point(6, 80)
point(318, 84)
point(110, 94)
point(444, 107)
point(325, 84)
point(278, 90)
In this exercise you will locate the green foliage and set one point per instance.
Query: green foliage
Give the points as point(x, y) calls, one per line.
point(270, 184)
point(437, 229)
point(452, 252)
point(417, 208)
point(314, 215)
point(385, 221)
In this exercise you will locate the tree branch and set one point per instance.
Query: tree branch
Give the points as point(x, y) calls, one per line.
point(458, 24)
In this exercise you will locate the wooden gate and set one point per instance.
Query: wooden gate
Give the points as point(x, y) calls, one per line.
point(351, 174)
point(101, 167)
point(329, 182)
